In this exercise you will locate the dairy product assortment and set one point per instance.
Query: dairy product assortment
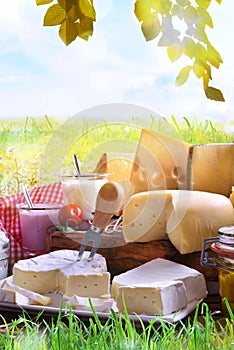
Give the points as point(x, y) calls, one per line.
point(159, 287)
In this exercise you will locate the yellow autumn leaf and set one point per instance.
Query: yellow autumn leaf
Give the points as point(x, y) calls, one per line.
point(189, 47)
point(213, 56)
point(142, 9)
point(203, 3)
point(84, 28)
point(66, 4)
point(183, 75)
point(198, 69)
point(87, 9)
point(43, 2)
point(190, 15)
point(204, 18)
point(214, 94)
point(54, 15)
point(68, 31)
point(151, 27)
point(174, 51)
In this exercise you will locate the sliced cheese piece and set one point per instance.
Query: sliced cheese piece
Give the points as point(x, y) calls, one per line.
point(197, 215)
point(211, 168)
point(13, 297)
point(160, 163)
point(144, 217)
point(59, 271)
point(34, 298)
point(99, 304)
point(152, 299)
point(161, 271)
point(119, 166)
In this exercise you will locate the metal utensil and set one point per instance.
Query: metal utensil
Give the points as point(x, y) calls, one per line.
point(27, 196)
point(108, 202)
point(75, 161)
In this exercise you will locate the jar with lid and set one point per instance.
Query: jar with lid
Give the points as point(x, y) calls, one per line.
point(222, 247)
point(4, 252)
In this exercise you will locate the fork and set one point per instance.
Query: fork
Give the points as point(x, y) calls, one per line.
point(108, 202)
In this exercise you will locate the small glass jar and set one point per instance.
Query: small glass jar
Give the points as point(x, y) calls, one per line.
point(223, 248)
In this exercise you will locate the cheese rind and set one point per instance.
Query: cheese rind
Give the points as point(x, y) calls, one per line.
point(13, 297)
point(144, 217)
point(160, 163)
point(197, 215)
point(156, 299)
point(60, 271)
point(34, 298)
point(211, 168)
point(161, 271)
point(99, 304)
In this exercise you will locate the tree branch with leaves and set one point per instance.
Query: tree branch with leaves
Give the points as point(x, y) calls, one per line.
point(157, 18)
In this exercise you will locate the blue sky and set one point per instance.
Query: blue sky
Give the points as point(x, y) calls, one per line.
point(39, 75)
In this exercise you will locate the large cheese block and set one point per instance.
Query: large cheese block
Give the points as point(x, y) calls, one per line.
point(211, 168)
point(161, 271)
point(60, 271)
point(144, 217)
point(197, 215)
point(152, 299)
point(160, 163)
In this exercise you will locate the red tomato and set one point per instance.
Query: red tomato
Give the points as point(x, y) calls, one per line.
point(70, 215)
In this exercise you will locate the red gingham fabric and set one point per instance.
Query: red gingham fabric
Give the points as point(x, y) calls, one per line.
point(9, 216)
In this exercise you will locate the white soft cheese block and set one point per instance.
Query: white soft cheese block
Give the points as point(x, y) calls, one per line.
point(34, 298)
point(197, 215)
point(59, 271)
point(160, 163)
point(99, 304)
point(161, 271)
point(162, 298)
point(211, 168)
point(13, 297)
point(144, 217)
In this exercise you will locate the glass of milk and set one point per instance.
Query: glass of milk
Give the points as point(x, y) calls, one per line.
point(83, 191)
point(34, 223)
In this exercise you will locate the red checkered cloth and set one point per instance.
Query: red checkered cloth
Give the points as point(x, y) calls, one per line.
point(9, 216)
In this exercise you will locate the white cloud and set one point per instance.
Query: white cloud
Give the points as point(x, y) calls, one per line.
point(43, 76)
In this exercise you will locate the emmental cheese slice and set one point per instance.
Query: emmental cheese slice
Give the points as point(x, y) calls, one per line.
point(211, 168)
point(59, 271)
point(160, 163)
point(197, 215)
point(152, 299)
point(161, 271)
point(144, 217)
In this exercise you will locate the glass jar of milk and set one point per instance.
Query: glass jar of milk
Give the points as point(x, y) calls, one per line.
point(83, 190)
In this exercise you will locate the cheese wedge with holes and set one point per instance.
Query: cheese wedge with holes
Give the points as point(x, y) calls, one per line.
point(197, 215)
point(59, 271)
point(34, 298)
point(211, 168)
point(160, 163)
point(152, 299)
point(144, 216)
point(161, 272)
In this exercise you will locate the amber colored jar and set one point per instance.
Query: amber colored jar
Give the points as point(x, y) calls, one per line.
point(223, 247)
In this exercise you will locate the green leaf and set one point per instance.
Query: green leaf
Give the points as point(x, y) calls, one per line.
point(204, 18)
point(200, 35)
point(183, 75)
point(189, 47)
point(54, 15)
point(87, 9)
point(214, 94)
point(68, 31)
point(84, 28)
point(43, 2)
point(174, 51)
point(213, 56)
point(151, 27)
point(66, 4)
point(203, 3)
point(190, 15)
